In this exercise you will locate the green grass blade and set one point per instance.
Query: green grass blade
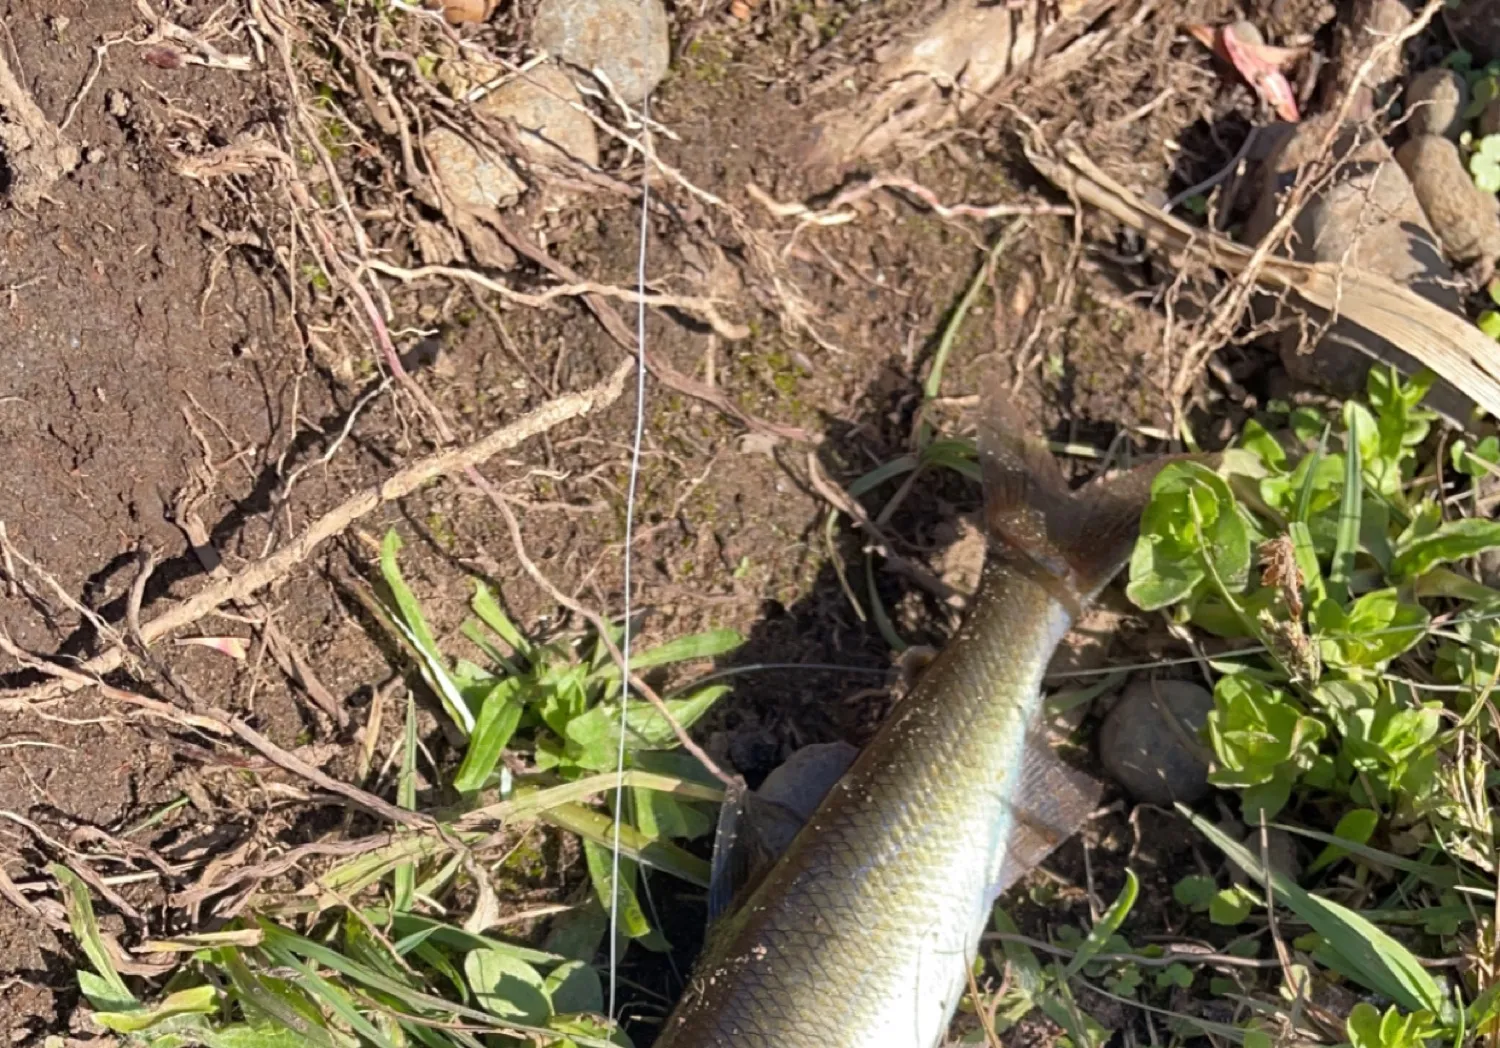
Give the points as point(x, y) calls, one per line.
point(877, 610)
point(86, 930)
point(1346, 542)
point(487, 608)
point(886, 471)
point(708, 645)
point(1309, 479)
point(409, 620)
point(933, 386)
point(1107, 926)
point(406, 797)
point(331, 997)
point(1372, 957)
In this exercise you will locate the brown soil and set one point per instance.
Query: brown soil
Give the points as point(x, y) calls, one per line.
point(164, 336)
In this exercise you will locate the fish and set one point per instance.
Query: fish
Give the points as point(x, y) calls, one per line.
point(863, 931)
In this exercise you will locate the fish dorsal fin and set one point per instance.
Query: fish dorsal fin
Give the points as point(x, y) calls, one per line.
point(756, 827)
point(1078, 539)
point(1049, 803)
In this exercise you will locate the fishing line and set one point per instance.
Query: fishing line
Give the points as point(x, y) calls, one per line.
point(630, 496)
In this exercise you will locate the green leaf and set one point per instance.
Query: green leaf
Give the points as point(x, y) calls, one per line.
point(488, 610)
point(1195, 891)
point(574, 987)
point(1255, 731)
point(629, 914)
point(1176, 974)
point(404, 878)
point(407, 617)
point(200, 1000)
point(1230, 906)
point(1372, 957)
point(1346, 543)
point(645, 727)
point(1453, 540)
point(498, 718)
point(709, 645)
point(507, 987)
point(1107, 926)
point(102, 995)
point(1356, 825)
point(1375, 629)
point(1489, 323)
point(113, 993)
point(1192, 529)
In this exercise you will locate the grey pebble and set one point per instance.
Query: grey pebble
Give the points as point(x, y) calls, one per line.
point(627, 40)
point(1464, 217)
point(1152, 748)
point(1435, 102)
point(475, 180)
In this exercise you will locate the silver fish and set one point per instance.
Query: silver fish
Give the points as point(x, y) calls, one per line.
point(862, 933)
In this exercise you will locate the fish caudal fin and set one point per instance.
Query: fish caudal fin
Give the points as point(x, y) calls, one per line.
point(1080, 538)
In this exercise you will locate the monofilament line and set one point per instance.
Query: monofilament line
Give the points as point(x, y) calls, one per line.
point(630, 491)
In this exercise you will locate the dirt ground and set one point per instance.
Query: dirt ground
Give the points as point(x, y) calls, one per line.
point(173, 354)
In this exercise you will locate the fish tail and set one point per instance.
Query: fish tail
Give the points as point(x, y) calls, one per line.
point(1078, 540)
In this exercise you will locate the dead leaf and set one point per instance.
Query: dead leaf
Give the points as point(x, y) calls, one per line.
point(234, 647)
point(1262, 66)
point(457, 12)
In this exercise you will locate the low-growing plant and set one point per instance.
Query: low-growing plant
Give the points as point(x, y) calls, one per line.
point(393, 946)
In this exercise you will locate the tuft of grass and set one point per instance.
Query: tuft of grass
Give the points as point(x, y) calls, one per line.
point(394, 946)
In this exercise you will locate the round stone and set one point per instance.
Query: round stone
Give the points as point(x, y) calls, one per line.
point(475, 180)
point(1150, 741)
point(627, 40)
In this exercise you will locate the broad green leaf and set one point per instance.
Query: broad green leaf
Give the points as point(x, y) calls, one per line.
point(1107, 926)
point(275, 999)
point(200, 1000)
point(645, 727)
point(243, 1035)
point(1377, 961)
point(574, 987)
point(1192, 528)
point(498, 718)
point(1453, 540)
point(1254, 730)
point(101, 994)
point(507, 987)
point(1357, 826)
point(1375, 629)
point(629, 914)
point(1195, 891)
point(660, 815)
point(1230, 907)
point(85, 929)
point(407, 617)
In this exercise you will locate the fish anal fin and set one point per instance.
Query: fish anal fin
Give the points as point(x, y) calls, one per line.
point(1048, 805)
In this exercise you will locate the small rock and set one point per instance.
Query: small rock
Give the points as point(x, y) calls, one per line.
point(475, 180)
point(962, 562)
point(541, 102)
point(626, 40)
point(1465, 218)
point(1368, 217)
point(1151, 747)
point(1435, 103)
